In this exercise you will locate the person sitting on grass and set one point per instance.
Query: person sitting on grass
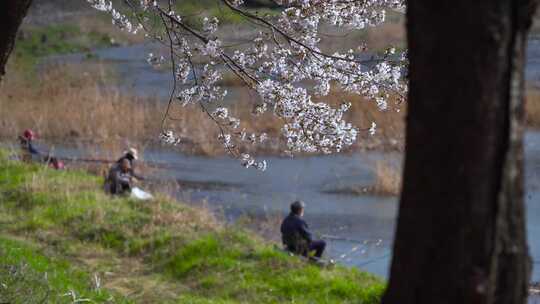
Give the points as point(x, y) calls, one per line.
point(295, 233)
point(131, 155)
point(31, 153)
point(27, 145)
point(119, 179)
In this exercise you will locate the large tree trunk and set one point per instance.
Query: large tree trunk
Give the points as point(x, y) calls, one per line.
point(461, 229)
point(12, 13)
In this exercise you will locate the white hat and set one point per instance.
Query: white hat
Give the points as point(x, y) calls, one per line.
point(133, 153)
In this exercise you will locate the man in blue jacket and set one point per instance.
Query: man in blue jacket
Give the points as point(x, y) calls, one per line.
point(27, 145)
point(295, 233)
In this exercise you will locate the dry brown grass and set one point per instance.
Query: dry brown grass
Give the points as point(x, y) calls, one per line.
point(388, 34)
point(390, 132)
point(532, 108)
point(64, 105)
point(387, 179)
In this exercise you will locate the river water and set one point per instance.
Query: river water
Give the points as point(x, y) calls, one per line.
point(359, 229)
point(137, 77)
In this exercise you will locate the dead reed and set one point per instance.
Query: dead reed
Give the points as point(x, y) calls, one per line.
point(387, 179)
point(65, 105)
point(532, 108)
point(387, 176)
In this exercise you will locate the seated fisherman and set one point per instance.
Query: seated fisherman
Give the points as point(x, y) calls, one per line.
point(295, 233)
point(131, 155)
point(119, 179)
point(29, 150)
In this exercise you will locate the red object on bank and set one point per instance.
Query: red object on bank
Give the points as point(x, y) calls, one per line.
point(29, 134)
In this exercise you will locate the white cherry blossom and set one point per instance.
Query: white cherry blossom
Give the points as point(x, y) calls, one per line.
point(283, 65)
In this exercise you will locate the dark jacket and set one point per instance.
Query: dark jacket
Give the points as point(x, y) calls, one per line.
point(132, 165)
point(295, 232)
point(28, 146)
point(118, 182)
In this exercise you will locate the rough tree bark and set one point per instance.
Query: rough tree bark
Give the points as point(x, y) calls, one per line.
point(12, 13)
point(461, 229)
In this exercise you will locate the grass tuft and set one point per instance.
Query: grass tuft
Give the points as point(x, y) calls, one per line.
point(27, 276)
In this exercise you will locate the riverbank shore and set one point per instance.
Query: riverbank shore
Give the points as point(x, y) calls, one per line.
point(148, 252)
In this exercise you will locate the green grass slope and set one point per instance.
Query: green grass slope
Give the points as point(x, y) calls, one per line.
point(27, 276)
point(35, 43)
point(162, 251)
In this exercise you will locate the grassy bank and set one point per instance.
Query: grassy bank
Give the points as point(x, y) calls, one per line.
point(148, 252)
point(22, 274)
point(64, 105)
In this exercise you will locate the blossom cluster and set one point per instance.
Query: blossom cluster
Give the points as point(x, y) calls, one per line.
point(118, 19)
point(350, 13)
point(311, 126)
point(168, 137)
point(283, 64)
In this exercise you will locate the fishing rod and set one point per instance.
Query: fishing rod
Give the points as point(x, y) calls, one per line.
point(108, 161)
point(48, 155)
point(371, 261)
point(361, 243)
point(346, 256)
point(351, 240)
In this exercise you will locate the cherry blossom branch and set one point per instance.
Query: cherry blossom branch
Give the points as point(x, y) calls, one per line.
point(279, 74)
